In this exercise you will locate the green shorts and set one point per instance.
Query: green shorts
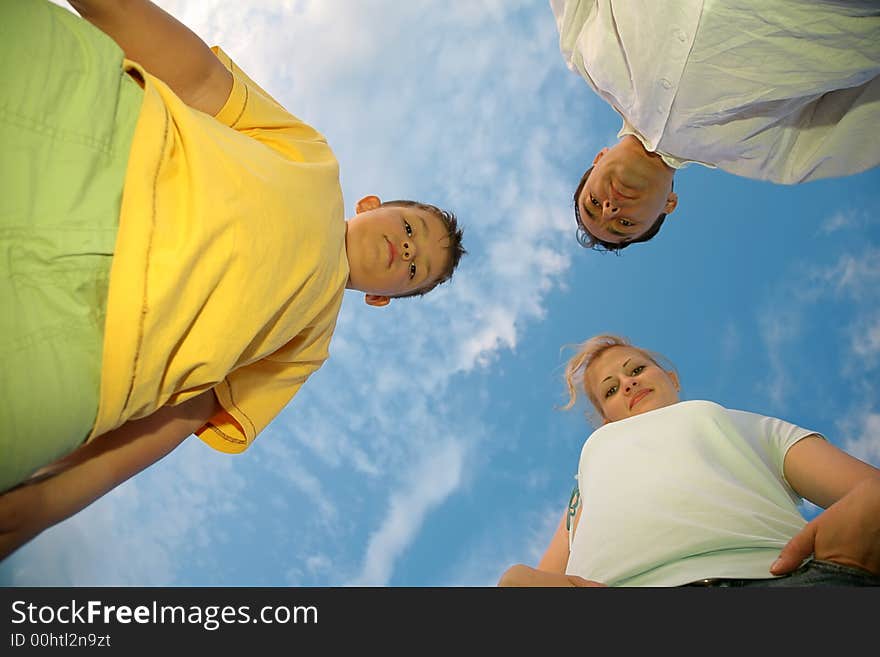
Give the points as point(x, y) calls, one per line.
point(67, 116)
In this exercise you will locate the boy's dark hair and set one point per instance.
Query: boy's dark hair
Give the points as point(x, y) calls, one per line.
point(589, 241)
point(453, 232)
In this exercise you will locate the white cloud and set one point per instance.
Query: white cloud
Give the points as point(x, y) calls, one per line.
point(848, 219)
point(432, 481)
point(778, 329)
point(862, 436)
point(504, 544)
point(852, 278)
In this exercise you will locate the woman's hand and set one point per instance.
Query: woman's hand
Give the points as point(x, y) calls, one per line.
point(522, 575)
point(847, 532)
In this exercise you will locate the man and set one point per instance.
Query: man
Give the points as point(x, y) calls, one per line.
point(780, 90)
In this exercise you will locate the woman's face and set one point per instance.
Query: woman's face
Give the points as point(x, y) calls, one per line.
point(625, 382)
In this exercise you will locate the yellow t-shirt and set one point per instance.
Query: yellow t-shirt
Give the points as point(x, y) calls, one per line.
point(230, 265)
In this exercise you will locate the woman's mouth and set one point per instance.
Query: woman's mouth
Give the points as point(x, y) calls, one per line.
point(639, 396)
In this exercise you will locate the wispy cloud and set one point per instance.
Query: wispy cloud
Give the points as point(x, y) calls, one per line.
point(432, 480)
point(862, 436)
point(848, 219)
point(505, 543)
point(852, 279)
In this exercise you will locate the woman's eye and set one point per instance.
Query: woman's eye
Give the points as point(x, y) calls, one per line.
point(407, 227)
point(610, 391)
point(412, 270)
point(594, 201)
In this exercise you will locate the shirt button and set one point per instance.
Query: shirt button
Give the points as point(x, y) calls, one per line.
point(666, 84)
point(659, 109)
point(681, 36)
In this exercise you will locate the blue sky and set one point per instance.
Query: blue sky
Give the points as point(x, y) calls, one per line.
point(429, 451)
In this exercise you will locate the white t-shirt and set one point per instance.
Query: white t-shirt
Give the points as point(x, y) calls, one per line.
point(687, 491)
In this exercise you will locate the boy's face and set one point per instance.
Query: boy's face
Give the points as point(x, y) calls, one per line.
point(393, 250)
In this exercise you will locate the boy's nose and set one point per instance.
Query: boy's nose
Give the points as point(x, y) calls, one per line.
point(406, 251)
point(630, 385)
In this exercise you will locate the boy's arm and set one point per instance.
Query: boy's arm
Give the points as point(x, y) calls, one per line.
point(165, 47)
point(96, 468)
point(848, 531)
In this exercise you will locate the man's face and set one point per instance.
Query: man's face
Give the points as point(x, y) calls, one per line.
point(393, 250)
point(625, 192)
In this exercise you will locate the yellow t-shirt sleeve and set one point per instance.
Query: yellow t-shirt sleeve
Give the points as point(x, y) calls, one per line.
point(251, 397)
point(251, 110)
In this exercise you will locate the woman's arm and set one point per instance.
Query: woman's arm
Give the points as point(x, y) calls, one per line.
point(551, 568)
point(848, 531)
point(165, 47)
point(555, 558)
point(525, 576)
point(95, 469)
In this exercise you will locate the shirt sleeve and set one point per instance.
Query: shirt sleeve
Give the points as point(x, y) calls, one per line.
point(251, 110)
point(253, 395)
point(775, 436)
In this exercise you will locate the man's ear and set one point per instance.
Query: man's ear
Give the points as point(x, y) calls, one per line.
point(600, 155)
point(376, 300)
point(671, 202)
point(367, 203)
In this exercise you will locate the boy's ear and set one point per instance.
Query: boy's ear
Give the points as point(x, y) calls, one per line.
point(367, 203)
point(376, 300)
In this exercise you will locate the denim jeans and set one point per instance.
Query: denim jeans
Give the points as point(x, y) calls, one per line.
point(812, 573)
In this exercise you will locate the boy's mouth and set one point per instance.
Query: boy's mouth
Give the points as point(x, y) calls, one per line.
point(391, 252)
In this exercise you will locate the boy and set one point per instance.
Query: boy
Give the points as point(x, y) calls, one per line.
point(186, 252)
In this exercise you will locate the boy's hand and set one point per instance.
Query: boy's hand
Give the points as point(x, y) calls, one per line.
point(21, 517)
point(847, 532)
point(522, 575)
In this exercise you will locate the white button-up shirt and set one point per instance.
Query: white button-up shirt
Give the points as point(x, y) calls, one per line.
point(780, 90)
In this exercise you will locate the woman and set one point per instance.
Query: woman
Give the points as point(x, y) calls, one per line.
point(674, 493)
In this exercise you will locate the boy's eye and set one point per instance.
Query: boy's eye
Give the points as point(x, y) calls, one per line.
point(626, 222)
point(594, 201)
point(407, 228)
point(638, 370)
point(610, 391)
point(412, 270)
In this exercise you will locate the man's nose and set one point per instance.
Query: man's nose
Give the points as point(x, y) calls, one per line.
point(609, 210)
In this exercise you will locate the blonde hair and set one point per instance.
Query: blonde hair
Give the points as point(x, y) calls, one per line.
point(586, 353)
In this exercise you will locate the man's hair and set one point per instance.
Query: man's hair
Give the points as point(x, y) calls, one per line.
point(589, 241)
point(453, 232)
